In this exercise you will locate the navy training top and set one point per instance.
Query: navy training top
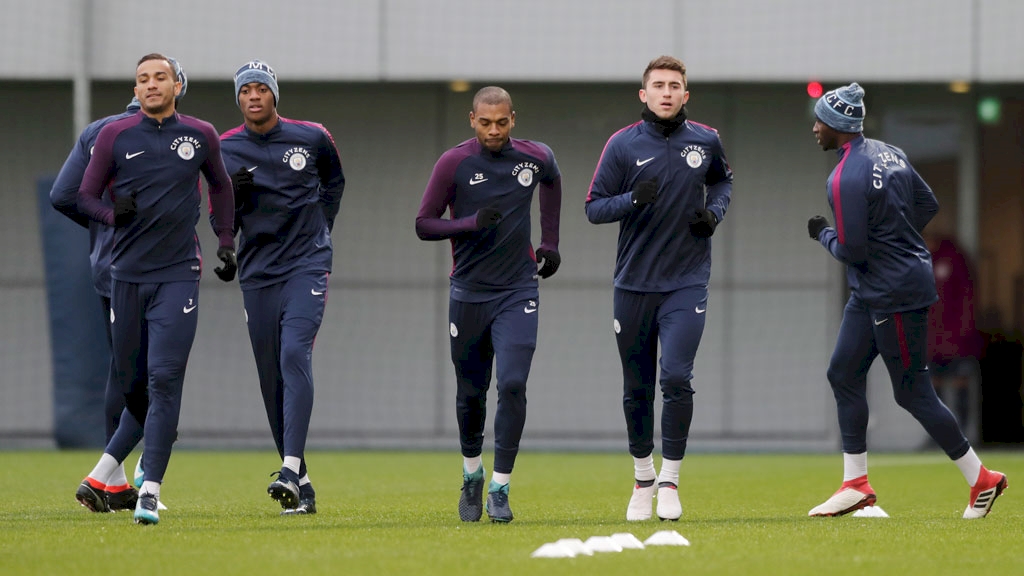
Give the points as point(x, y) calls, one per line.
point(469, 177)
point(64, 197)
point(285, 224)
point(880, 205)
point(656, 252)
point(159, 163)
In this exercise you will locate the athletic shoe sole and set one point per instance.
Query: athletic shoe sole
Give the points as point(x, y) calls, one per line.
point(281, 492)
point(93, 499)
point(867, 500)
point(306, 506)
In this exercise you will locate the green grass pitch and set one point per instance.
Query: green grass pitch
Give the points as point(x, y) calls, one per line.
point(396, 513)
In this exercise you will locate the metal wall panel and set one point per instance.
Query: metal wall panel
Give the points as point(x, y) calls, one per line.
point(523, 40)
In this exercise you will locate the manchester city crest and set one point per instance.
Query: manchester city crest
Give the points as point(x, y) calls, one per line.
point(693, 159)
point(186, 151)
point(524, 173)
point(694, 155)
point(525, 177)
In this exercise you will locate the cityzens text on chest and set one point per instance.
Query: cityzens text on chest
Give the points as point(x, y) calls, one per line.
point(524, 173)
point(522, 165)
point(182, 139)
point(295, 150)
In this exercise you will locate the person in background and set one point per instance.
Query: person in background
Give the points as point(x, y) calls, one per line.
point(954, 343)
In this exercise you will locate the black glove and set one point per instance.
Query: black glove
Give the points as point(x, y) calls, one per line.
point(551, 262)
point(703, 223)
point(645, 193)
point(227, 256)
point(242, 184)
point(816, 225)
point(124, 210)
point(487, 218)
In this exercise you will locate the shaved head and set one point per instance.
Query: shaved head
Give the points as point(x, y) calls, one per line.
point(493, 96)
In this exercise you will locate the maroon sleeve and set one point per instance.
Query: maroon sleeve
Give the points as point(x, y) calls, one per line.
point(97, 176)
point(550, 213)
point(222, 195)
point(437, 198)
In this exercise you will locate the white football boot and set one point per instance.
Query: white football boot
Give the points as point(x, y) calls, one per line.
point(669, 507)
point(641, 503)
point(851, 496)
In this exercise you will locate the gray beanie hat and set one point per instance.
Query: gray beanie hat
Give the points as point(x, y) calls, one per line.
point(842, 109)
point(180, 73)
point(256, 71)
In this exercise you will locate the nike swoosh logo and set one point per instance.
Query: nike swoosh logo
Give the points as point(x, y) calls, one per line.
point(475, 182)
point(315, 293)
point(640, 162)
point(529, 310)
point(128, 156)
point(699, 310)
point(186, 309)
point(253, 169)
point(884, 320)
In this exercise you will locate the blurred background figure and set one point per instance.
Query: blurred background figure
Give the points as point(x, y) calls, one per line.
point(954, 343)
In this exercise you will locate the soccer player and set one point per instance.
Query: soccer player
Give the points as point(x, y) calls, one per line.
point(880, 205)
point(666, 181)
point(288, 184)
point(487, 183)
point(152, 161)
point(118, 494)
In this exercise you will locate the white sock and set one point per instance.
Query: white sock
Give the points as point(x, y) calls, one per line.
point(470, 465)
point(970, 466)
point(104, 468)
point(117, 477)
point(669, 471)
point(643, 468)
point(292, 463)
point(854, 466)
point(501, 478)
point(304, 480)
point(150, 487)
